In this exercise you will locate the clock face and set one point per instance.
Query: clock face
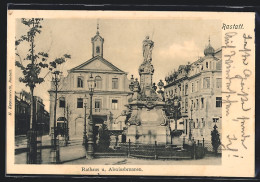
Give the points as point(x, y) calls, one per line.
point(97, 64)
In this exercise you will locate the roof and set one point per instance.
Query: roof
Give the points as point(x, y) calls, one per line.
point(104, 61)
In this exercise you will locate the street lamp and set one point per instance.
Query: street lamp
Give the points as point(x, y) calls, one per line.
point(190, 135)
point(55, 154)
point(85, 121)
point(90, 150)
point(160, 85)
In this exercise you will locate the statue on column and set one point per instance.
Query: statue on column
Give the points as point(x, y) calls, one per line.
point(147, 49)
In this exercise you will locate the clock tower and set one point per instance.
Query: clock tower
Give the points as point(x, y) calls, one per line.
point(97, 44)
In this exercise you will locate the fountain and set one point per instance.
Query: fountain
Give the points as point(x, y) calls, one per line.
point(146, 121)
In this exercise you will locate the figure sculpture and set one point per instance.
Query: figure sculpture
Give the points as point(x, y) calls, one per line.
point(147, 49)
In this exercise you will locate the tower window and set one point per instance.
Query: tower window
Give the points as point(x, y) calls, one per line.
point(80, 82)
point(97, 49)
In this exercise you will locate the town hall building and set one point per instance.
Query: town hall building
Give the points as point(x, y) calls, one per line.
point(109, 98)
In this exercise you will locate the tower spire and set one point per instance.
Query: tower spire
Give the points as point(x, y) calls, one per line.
point(98, 26)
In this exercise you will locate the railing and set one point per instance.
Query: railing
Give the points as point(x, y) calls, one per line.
point(209, 147)
point(191, 150)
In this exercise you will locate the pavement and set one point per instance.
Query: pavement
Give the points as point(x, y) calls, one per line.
point(75, 153)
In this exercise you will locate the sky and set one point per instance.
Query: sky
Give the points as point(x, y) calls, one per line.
point(176, 42)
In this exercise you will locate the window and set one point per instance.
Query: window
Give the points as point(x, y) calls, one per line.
point(114, 104)
point(215, 120)
point(219, 65)
point(218, 101)
point(197, 86)
point(98, 82)
point(175, 90)
point(192, 87)
point(202, 103)
point(219, 83)
point(206, 82)
point(80, 82)
point(198, 123)
point(97, 49)
point(207, 65)
point(79, 103)
point(186, 126)
point(186, 89)
point(97, 105)
point(62, 102)
point(197, 104)
point(186, 105)
point(114, 83)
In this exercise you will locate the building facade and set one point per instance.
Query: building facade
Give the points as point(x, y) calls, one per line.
point(198, 87)
point(109, 98)
point(22, 114)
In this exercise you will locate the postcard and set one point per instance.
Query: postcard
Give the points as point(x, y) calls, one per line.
point(131, 93)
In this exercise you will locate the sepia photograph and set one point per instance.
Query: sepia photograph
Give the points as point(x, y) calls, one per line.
point(123, 92)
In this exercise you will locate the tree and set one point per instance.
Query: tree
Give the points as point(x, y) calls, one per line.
point(215, 139)
point(31, 67)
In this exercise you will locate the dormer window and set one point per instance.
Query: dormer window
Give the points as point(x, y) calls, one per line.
point(80, 82)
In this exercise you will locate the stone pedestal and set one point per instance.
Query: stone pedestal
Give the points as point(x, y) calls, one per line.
point(152, 127)
point(147, 121)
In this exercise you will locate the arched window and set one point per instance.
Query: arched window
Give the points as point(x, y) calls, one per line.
point(98, 82)
point(97, 49)
point(207, 65)
point(80, 82)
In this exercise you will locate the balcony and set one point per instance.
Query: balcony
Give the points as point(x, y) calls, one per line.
point(100, 111)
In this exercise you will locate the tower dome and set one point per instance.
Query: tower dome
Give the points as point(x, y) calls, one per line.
point(209, 50)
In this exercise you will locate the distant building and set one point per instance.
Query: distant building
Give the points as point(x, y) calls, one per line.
point(22, 113)
point(109, 99)
point(198, 85)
